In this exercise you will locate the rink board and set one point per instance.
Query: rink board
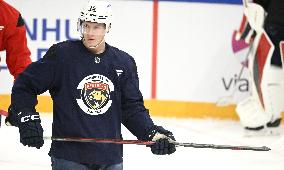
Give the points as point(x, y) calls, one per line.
point(161, 108)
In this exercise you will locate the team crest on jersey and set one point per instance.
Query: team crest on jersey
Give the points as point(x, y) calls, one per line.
point(95, 94)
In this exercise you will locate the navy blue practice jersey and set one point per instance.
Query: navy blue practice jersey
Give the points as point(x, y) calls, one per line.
point(92, 95)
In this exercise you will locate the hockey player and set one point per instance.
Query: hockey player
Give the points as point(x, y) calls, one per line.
point(266, 104)
point(94, 87)
point(13, 40)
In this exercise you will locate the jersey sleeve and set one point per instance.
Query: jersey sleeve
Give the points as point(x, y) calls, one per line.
point(136, 117)
point(17, 52)
point(37, 78)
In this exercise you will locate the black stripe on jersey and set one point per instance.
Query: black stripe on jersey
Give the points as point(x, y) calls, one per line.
point(20, 21)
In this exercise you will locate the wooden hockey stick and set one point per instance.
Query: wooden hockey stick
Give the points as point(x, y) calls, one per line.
point(139, 142)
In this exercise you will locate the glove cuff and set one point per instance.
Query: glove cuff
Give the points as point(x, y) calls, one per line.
point(15, 117)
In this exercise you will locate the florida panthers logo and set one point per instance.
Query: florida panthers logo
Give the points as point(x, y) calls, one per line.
point(95, 94)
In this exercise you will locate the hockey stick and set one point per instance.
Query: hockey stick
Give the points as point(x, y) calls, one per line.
point(139, 142)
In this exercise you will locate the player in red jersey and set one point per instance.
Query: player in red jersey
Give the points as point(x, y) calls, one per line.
point(13, 39)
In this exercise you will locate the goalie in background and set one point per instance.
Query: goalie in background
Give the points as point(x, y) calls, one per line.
point(95, 89)
point(13, 40)
point(263, 27)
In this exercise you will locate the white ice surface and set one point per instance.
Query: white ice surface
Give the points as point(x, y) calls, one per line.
point(14, 156)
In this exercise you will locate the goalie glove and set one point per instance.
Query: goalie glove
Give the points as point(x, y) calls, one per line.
point(29, 124)
point(162, 139)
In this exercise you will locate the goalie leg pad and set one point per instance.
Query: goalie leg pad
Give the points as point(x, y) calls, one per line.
point(251, 110)
point(251, 113)
point(255, 15)
point(272, 90)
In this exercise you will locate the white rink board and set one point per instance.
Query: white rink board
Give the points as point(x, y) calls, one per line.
point(195, 57)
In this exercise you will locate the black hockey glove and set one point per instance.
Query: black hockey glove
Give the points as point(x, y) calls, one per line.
point(162, 140)
point(30, 129)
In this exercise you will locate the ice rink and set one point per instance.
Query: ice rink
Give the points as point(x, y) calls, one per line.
point(14, 156)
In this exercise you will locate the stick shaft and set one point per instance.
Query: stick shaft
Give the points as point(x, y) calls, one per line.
point(231, 147)
point(100, 140)
point(139, 142)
